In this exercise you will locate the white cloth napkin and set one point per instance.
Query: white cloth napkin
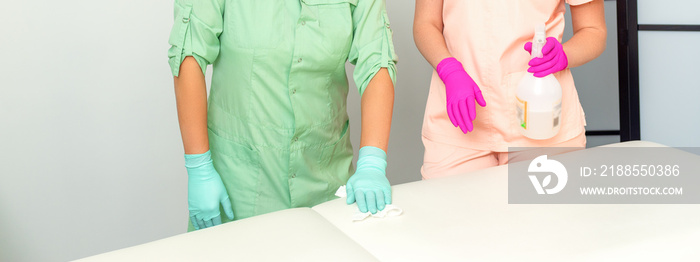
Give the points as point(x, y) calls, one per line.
point(389, 210)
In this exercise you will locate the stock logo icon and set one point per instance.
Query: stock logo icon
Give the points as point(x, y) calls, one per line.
point(543, 165)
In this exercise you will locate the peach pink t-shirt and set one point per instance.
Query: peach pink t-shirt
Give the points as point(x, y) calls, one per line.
point(487, 36)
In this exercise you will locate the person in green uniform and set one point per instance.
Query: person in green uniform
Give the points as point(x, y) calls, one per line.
point(274, 134)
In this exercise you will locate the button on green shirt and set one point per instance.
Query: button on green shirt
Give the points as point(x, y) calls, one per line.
point(277, 109)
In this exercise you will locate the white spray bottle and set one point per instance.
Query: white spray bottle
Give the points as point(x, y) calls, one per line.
point(538, 100)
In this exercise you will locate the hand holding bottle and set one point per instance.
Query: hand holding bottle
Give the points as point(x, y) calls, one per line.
point(553, 58)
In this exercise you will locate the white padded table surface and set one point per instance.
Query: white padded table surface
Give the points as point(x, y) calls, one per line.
point(468, 218)
point(459, 218)
point(289, 235)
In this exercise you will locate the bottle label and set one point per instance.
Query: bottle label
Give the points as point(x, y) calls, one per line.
point(521, 109)
point(556, 114)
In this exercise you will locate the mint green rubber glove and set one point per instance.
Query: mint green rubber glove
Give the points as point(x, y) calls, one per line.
point(369, 186)
point(205, 191)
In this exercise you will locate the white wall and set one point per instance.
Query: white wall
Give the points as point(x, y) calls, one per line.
point(91, 158)
point(669, 88)
point(90, 153)
point(675, 12)
point(668, 69)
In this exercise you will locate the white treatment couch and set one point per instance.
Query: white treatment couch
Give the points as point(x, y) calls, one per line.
point(458, 218)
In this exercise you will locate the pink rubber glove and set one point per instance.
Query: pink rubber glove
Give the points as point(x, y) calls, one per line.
point(461, 92)
point(553, 58)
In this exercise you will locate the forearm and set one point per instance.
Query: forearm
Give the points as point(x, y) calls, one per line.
point(431, 43)
point(584, 46)
point(427, 31)
point(191, 96)
point(377, 108)
point(590, 32)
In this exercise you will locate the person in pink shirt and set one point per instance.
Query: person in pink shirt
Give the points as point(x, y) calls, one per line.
point(480, 50)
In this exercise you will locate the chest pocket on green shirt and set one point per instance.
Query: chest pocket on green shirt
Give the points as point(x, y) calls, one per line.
point(334, 21)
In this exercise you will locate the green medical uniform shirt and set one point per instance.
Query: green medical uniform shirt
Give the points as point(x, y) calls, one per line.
point(277, 120)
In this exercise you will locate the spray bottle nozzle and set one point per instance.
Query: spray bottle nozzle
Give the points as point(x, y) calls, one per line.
point(539, 40)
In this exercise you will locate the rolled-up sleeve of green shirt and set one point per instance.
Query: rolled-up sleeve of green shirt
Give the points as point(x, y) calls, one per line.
point(372, 46)
point(198, 24)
